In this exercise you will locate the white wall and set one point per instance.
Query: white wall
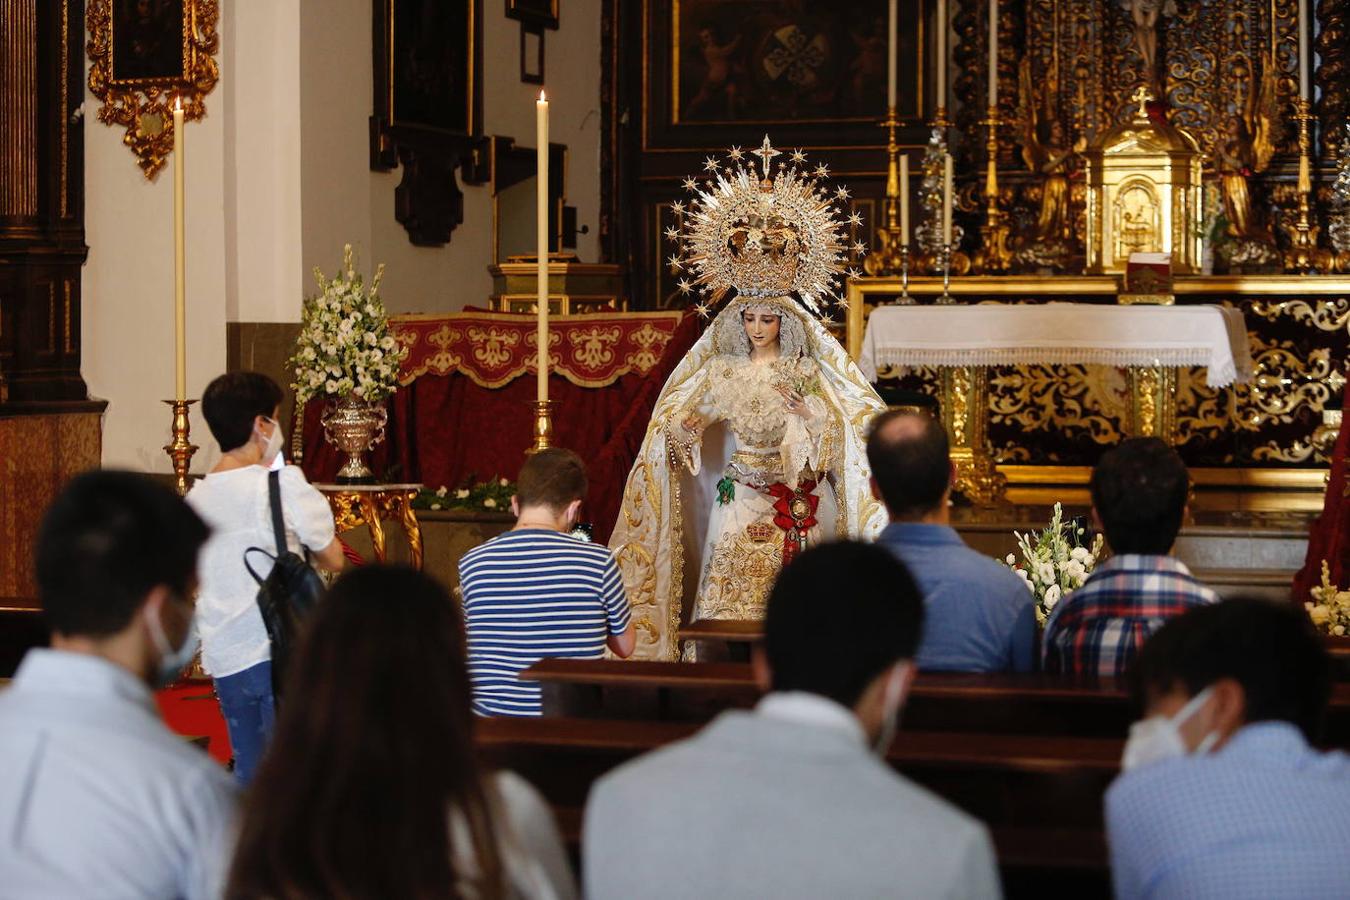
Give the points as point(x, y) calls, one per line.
point(278, 179)
point(127, 329)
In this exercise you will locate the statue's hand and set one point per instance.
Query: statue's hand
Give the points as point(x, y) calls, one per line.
point(794, 402)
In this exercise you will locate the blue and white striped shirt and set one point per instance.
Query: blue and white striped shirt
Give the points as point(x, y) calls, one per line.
point(534, 594)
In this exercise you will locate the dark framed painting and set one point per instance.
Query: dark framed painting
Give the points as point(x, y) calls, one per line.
point(428, 59)
point(149, 41)
point(748, 61)
point(536, 13)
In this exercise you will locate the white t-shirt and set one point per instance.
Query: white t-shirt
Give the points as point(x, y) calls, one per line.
point(235, 505)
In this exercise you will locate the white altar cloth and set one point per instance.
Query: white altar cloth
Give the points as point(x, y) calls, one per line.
point(1011, 334)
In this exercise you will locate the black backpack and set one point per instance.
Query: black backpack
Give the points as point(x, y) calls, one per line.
point(287, 594)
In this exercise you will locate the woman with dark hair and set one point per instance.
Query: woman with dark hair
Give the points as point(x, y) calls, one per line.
point(371, 787)
point(241, 410)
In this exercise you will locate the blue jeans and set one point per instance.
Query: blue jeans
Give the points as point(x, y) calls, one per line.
point(246, 703)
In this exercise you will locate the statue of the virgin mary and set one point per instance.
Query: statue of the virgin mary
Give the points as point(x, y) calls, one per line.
point(756, 447)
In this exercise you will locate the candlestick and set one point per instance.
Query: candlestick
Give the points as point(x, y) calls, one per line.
point(892, 48)
point(180, 449)
point(941, 60)
point(1303, 60)
point(945, 261)
point(179, 281)
point(1303, 254)
point(947, 178)
point(993, 53)
point(541, 234)
point(993, 255)
point(904, 200)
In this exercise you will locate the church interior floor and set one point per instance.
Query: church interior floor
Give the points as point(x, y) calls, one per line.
point(1238, 542)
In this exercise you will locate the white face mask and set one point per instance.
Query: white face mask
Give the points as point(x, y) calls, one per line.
point(1159, 737)
point(272, 452)
point(172, 663)
point(890, 710)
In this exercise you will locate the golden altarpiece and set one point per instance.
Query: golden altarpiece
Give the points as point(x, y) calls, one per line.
point(1132, 126)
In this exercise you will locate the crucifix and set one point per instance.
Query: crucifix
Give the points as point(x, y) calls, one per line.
point(1142, 96)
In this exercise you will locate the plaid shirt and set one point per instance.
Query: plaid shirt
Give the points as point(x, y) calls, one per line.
point(1099, 629)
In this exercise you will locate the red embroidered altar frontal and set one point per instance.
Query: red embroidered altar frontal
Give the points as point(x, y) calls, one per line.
point(464, 412)
point(495, 348)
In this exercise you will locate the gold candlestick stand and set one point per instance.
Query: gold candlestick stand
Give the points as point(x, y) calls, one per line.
point(181, 449)
point(892, 252)
point(993, 257)
point(543, 424)
point(1303, 254)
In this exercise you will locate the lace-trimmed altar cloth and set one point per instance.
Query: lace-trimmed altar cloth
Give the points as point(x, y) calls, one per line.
point(1012, 334)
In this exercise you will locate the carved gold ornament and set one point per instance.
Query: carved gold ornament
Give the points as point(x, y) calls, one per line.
point(143, 57)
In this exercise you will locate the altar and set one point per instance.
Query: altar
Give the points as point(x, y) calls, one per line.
point(964, 342)
point(1047, 422)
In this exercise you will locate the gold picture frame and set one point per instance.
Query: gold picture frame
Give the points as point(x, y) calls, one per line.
point(144, 55)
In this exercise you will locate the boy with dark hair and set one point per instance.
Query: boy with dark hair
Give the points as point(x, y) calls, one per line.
point(99, 799)
point(794, 798)
point(1222, 795)
point(1139, 501)
point(538, 592)
point(980, 616)
point(241, 410)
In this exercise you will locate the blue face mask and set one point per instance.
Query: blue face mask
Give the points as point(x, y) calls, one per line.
point(172, 663)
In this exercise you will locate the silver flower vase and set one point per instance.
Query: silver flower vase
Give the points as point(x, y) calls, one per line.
point(354, 427)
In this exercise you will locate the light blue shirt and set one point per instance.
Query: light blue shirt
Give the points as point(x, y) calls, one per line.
point(97, 797)
point(1264, 816)
point(978, 615)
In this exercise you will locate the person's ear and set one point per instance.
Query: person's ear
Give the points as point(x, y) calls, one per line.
point(515, 505)
point(876, 490)
point(759, 664)
point(572, 514)
point(1097, 525)
point(1226, 710)
point(951, 475)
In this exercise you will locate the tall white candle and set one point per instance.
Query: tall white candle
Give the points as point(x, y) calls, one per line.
point(1304, 61)
point(993, 53)
point(947, 179)
point(179, 281)
point(892, 48)
point(942, 54)
point(904, 199)
point(541, 243)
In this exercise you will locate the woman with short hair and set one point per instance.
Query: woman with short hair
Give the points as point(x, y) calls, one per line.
point(241, 410)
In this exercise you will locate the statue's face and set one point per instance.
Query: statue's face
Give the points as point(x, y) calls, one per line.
point(761, 328)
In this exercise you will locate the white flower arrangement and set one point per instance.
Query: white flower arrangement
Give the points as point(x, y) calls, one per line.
point(345, 348)
point(1054, 562)
point(1330, 606)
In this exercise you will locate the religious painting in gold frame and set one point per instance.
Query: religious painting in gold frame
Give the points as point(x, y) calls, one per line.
point(143, 56)
point(734, 62)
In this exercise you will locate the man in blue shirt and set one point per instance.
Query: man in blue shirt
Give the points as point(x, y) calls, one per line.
point(1222, 795)
point(97, 797)
point(980, 617)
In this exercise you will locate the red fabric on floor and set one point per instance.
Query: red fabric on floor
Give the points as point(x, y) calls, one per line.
point(444, 429)
point(190, 708)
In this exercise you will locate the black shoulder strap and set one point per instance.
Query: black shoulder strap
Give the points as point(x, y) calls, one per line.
point(278, 525)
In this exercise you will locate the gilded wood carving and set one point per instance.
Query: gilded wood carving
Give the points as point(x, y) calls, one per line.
point(144, 55)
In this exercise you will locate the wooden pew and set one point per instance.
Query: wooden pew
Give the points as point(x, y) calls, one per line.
point(1040, 796)
point(1006, 704)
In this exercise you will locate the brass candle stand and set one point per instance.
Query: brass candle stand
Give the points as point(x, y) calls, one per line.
point(543, 424)
point(1303, 254)
point(945, 263)
point(892, 251)
point(180, 450)
point(993, 257)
